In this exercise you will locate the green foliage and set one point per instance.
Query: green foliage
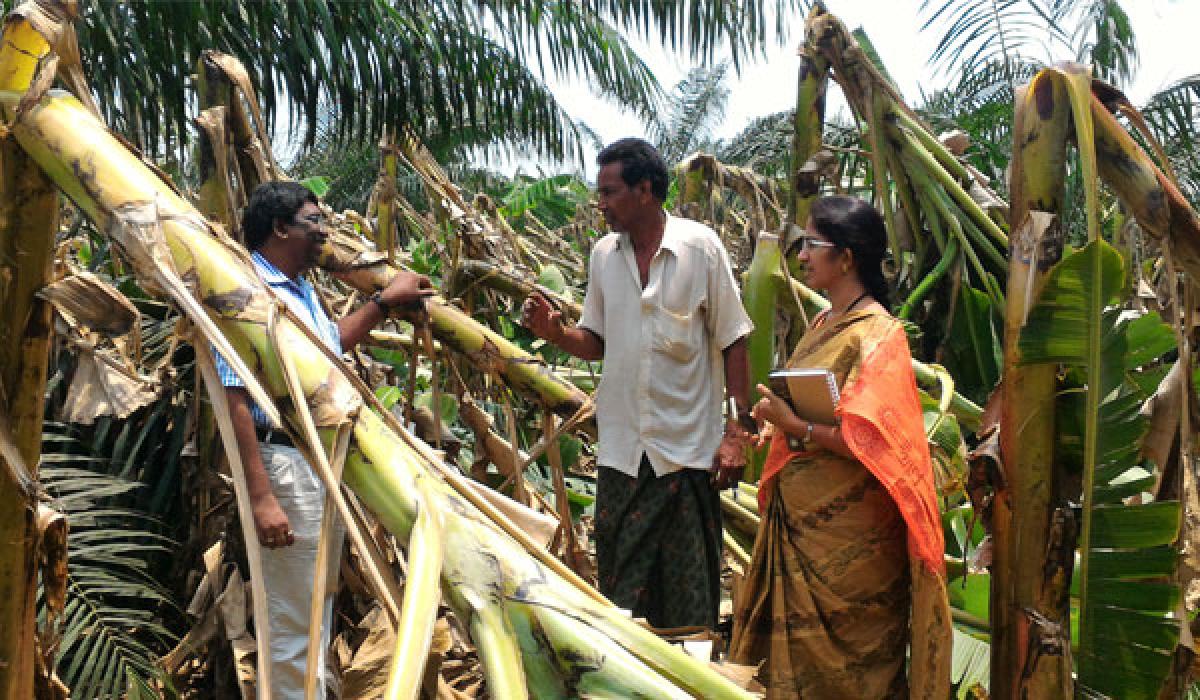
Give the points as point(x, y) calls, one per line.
point(764, 144)
point(449, 409)
point(553, 200)
point(425, 259)
point(980, 102)
point(319, 185)
point(1127, 626)
point(475, 67)
point(973, 347)
point(112, 626)
point(979, 32)
point(695, 108)
point(1104, 39)
point(946, 446)
point(971, 594)
point(1174, 119)
point(970, 666)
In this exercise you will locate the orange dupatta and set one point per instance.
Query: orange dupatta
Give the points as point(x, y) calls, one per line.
point(883, 425)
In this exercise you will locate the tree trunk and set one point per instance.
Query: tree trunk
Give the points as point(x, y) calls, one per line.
point(28, 222)
point(1029, 612)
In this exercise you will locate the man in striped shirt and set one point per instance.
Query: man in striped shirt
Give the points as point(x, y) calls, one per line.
point(284, 230)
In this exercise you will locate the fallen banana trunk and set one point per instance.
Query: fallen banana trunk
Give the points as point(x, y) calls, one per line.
point(538, 635)
point(512, 283)
point(487, 350)
point(700, 174)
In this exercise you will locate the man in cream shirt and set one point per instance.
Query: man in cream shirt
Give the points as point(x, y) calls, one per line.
point(663, 312)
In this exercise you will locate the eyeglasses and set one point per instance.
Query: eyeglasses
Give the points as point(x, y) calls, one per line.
point(312, 220)
point(808, 243)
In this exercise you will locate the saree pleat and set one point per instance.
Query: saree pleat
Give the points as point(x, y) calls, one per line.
point(842, 578)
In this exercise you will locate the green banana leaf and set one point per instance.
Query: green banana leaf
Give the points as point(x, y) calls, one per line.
point(1127, 627)
point(973, 346)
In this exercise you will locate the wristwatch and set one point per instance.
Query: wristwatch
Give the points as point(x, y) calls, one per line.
point(798, 444)
point(746, 420)
point(377, 299)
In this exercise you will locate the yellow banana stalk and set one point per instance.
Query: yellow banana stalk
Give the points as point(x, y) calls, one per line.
point(28, 223)
point(215, 198)
point(487, 577)
point(383, 201)
point(735, 549)
point(739, 516)
point(223, 81)
point(29, 218)
point(420, 607)
point(1024, 503)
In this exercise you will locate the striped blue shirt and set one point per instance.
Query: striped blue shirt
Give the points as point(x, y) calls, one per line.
point(301, 298)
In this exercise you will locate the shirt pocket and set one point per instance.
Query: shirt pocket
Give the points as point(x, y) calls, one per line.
point(675, 334)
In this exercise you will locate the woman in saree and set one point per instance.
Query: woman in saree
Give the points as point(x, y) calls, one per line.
point(847, 572)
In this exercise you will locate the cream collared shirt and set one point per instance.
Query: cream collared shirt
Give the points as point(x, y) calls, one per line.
point(663, 382)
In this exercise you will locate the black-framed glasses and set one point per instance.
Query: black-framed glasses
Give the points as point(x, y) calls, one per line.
point(810, 242)
point(312, 220)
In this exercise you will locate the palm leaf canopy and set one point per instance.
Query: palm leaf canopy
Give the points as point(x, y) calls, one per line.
point(477, 67)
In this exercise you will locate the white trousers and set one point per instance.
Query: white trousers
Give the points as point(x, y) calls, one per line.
point(288, 572)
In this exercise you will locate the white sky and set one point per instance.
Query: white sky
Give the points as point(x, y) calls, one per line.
point(1165, 31)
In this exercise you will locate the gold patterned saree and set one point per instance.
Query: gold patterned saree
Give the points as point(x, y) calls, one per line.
point(847, 571)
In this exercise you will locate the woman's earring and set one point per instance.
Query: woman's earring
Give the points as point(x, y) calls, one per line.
point(845, 269)
point(283, 236)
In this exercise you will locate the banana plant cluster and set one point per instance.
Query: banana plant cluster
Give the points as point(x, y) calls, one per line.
point(947, 230)
point(539, 631)
point(1076, 368)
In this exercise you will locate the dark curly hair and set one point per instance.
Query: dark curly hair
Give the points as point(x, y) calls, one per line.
point(639, 161)
point(854, 225)
point(271, 202)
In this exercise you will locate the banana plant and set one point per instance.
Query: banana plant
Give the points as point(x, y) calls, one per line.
point(1127, 625)
point(947, 230)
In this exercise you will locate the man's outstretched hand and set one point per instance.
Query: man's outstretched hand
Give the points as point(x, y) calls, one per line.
point(540, 317)
point(407, 290)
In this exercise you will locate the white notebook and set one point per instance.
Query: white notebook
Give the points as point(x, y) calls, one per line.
point(812, 393)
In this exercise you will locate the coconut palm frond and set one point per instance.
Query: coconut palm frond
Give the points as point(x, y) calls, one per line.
point(1104, 39)
point(1174, 118)
point(695, 107)
point(979, 32)
point(704, 28)
point(112, 629)
point(764, 144)
point(980, 103)
point(476, 65)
